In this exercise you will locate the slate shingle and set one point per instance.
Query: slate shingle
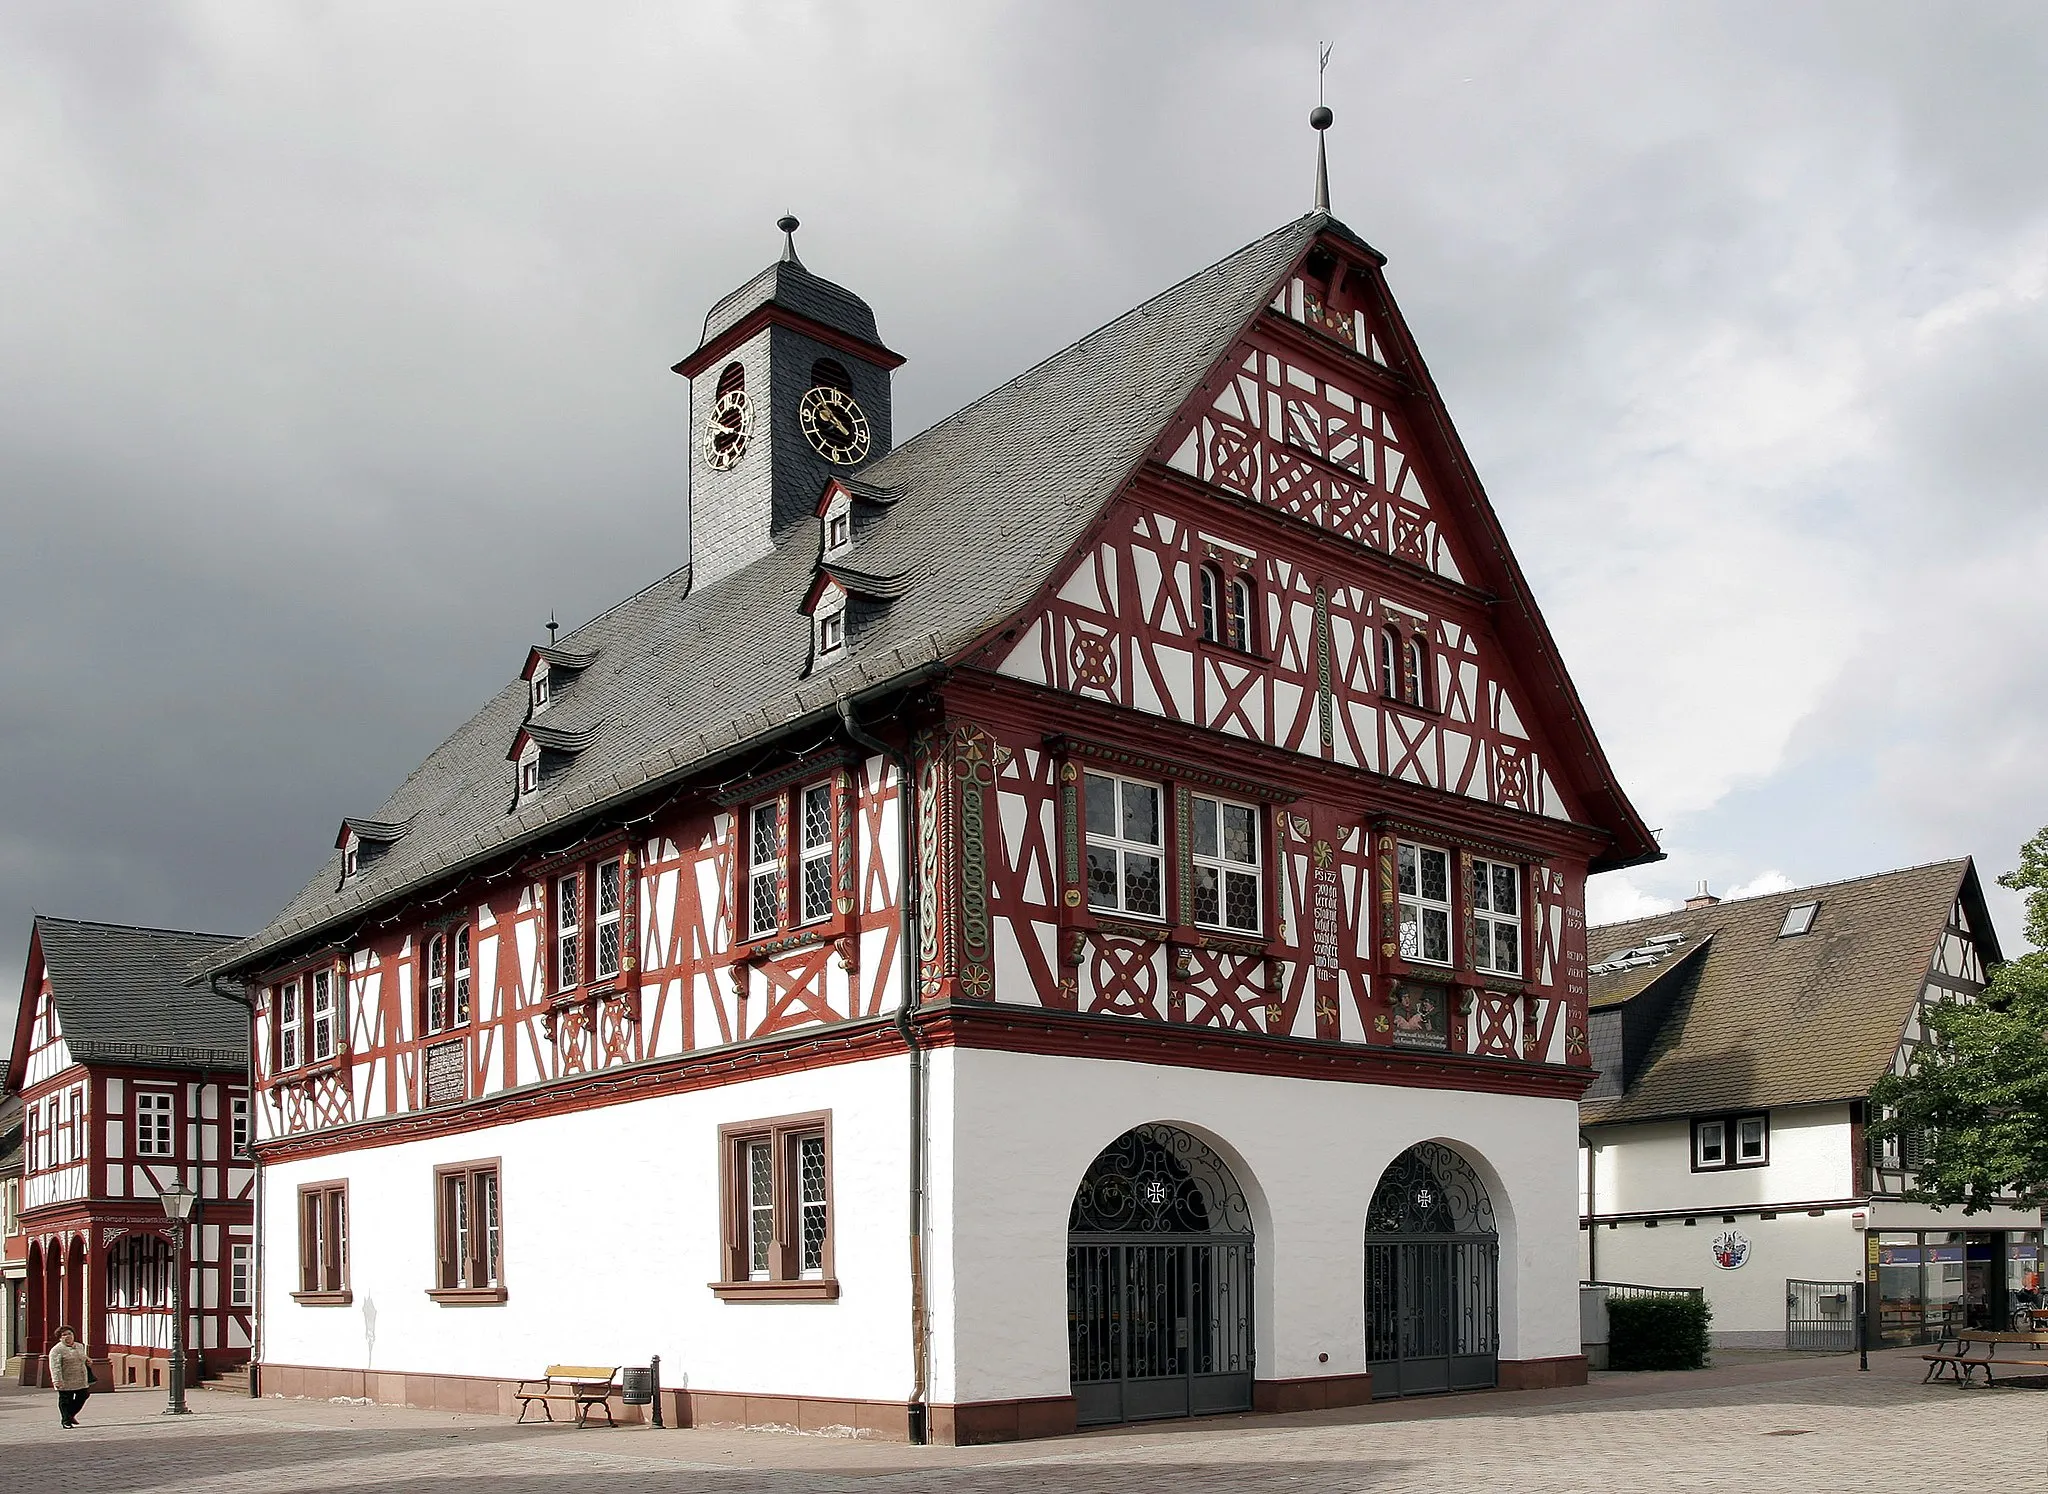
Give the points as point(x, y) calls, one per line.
point(124, 995)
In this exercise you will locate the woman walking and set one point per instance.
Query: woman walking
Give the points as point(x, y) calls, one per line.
point(71, 1373)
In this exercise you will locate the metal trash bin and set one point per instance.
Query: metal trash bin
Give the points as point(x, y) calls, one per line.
point(639, 1386)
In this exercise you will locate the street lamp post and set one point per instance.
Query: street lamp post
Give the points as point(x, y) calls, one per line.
point(177, 1201)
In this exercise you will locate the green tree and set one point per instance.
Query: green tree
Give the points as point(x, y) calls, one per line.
point(1978, 1090)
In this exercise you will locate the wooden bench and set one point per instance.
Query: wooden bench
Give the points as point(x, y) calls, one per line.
point(581, 1385)
point(1962, 1354)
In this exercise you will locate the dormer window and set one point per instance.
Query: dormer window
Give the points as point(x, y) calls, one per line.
point(838, 532)
point(831, 632)
point(362, 842)
point(540, 690)
point(529, 772)
point(351, 860)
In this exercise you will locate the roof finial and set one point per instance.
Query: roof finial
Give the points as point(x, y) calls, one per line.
point(1320, 119)
point(788, 224)
point(552, 625)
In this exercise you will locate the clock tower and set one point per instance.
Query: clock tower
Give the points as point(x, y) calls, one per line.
point(789, 388)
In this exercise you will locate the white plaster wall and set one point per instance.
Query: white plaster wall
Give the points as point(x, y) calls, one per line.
point(611, 1233)
point(1648, 1167)
point(1751, 1298)
point(1307, 1154)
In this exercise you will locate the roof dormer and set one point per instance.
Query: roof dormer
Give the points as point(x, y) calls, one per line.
point(840, 602)
point(540, 753)
point(362, 841)
point(549, 673)
point(844, 509)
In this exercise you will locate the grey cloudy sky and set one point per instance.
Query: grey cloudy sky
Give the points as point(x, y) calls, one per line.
point(334, 345)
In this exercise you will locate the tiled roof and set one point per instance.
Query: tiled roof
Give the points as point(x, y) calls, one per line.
point(124, 995)
point(1763, 1020)
point(986, 503)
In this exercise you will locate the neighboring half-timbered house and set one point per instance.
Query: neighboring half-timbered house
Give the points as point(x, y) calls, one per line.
point(132, 1080)
point(980, 948)
point(1724, 1142)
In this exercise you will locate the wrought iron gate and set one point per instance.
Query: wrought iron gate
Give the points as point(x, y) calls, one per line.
point(1159, 1283)
point(1432, 1268)
point(1820, 1316)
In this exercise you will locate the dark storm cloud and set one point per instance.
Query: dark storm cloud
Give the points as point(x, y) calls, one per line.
point(335, 345)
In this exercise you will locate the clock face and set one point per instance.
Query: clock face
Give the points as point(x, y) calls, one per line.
point(834, 424)
point(725, 433)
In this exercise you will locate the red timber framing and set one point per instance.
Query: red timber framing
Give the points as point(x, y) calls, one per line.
point(101, 1140)
point(1314, 465)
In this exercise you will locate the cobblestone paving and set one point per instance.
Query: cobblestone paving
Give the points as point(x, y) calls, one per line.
point(1758, 1426)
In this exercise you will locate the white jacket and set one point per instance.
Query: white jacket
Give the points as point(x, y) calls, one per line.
point(70, 1369)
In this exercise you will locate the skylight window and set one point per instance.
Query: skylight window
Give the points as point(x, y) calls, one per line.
point(1798, 919)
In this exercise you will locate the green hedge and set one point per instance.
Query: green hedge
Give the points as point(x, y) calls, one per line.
point(1657, 1333)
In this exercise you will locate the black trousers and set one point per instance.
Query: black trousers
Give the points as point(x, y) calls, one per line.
point(70, 1403)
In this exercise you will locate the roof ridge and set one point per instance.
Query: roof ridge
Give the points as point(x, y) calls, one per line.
point(132, 928)
point(1896, 871)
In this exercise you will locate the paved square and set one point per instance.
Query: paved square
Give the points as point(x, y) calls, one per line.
point(1762, 1424)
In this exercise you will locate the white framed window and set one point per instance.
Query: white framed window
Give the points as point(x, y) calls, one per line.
point(1725, 1141)
point(764, 869)
point(1415, 687)
point(609, 923)
point(568, 931)
point(320, 1014)
point(838, 532)
point(351, 858)
point(1390, 662)
point(529, 772)
point(1125, 847)
point(1226, 865)
point(10, 1208)
point(816, 852)
point(241, 1275)
point(760, 1209)
point(1241, 615)
point(437, 982)
point(1798, 920)
point(238, 1125)
point(540, 692)
point(1211, 585)
point(1497, 914)
point(32, 1134)
point(291, 1026)
point(153, 1109)
point(462, 977)
point(1424, 874)
point(831, 631)
point(1710, 1144)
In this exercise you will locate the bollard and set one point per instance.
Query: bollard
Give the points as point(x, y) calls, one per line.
point(1862, 1332)
point(654, 1369)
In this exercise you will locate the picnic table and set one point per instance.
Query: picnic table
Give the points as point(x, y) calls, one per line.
point(1964, 1351)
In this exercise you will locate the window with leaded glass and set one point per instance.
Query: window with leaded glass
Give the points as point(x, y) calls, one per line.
point(1225, 857)
point(568, 931)
point(609, 920)
point(437, 982)
point(462, 976)
point(291, 1029)
point(817, 852)
point(322, 1015)
point(778, 1209)
point(764, 870)
point(469, 1250)
point(1497, 916)
point(1424, 875)
point(1125, 849)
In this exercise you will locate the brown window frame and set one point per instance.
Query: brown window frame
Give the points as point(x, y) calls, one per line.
point(447, 1270)
point(785, 1281)
point(323, 1252)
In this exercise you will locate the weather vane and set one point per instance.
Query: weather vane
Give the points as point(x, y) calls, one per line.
point(1319, 120)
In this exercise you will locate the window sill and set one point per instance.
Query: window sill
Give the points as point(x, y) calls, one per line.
point(341, 1298)
point(467, 1296)
point(825, 1289)
point(326, 1068)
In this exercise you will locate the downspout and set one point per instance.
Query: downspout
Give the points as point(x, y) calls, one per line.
point(1592, 1223)
point(906, 1012)
point(256, 1166)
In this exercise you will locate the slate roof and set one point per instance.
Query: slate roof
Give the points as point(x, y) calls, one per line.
point(1758, 1020)
point(124, 995)
point(981, 507)
point(788, 284)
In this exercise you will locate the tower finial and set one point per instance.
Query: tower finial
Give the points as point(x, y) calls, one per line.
point(1320, 118)
point(552, 625)
point(788, 224)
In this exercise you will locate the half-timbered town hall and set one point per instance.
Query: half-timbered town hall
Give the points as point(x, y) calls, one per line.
point(1074, 917)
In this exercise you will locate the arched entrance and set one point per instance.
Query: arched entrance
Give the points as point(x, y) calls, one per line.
point(1432, 1261)
point(1159, 1282)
